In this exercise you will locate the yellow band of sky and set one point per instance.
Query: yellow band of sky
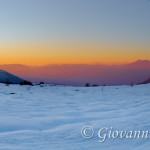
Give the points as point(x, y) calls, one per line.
point(74, 53)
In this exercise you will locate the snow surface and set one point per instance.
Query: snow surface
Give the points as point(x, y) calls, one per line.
point(51, 117)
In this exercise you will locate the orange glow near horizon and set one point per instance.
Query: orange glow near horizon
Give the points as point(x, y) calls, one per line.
point(43, 54)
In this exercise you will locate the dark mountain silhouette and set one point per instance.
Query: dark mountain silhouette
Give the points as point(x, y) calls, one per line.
point(8, 78)
point(145, 82)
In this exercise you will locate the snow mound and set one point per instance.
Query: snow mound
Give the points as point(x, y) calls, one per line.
point(6, 77)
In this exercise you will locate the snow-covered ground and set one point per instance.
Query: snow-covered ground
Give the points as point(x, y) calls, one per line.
point(51, 117)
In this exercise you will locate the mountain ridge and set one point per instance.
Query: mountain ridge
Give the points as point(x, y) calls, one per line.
point(79, 74)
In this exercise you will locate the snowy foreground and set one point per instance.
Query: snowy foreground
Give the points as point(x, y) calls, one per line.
point(51, 117)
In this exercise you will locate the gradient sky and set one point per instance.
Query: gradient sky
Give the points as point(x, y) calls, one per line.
point(39, 32)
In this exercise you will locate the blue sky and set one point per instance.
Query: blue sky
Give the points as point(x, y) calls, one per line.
point(94, 20)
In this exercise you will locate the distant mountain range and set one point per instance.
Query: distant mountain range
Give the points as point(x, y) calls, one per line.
point(79, 74)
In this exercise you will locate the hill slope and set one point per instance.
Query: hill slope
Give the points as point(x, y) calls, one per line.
point(146, 81)
point(6, 77)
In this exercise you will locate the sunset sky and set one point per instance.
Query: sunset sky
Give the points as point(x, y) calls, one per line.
point(40, 32)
